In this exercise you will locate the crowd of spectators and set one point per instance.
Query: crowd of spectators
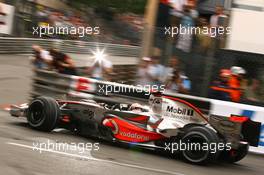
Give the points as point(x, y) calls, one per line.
point(55, 60)
point(130, 26)
point(46, 16)
point(185, 13)
point(151, 72)
point(231, 85)
point(111, 31)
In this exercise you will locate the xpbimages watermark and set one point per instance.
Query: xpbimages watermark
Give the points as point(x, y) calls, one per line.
point(173, 31)
point(64, 147)
point(116, 88)
point(182, 146)
point(80, 31)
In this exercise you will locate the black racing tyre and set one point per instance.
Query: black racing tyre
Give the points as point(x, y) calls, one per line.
point(235, 155)
point(43, 114)
point(198, 139)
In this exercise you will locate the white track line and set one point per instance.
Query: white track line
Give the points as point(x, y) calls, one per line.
point(95, 159)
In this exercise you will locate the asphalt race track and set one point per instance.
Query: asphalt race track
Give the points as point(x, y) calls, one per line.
point(18, 153)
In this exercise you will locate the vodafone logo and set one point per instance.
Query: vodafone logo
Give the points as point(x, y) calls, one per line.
point(134, 136)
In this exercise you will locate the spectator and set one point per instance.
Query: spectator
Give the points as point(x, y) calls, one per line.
point(234, 83)
point(220, 89)
point(177, 11)
point(204, 39)
point(184, 42)
point(63, 63)
point(142, 74)
point(186, 84)
point(173, 66)
point(230, 85)
point(218, 19)
point(100, 69)
point(155, 71)
point(253, 92)
point(192, 4)
point(42, 58)
point(178, 83)
point(175, 83)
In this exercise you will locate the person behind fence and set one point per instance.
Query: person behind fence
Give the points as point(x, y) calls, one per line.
point(155, 72)
point(62, 63)
point(220, 88)
point(204, 39)
point(101, 69)
point(42, 58)
point(254, 92)
point(173, 65)
point(229, 87)
point(176, 11)
point(142, 73)
point(184, 41)
point(219, 19)
point(186, 83)
point(178, 83)
point(235, 83)
point(193, 8)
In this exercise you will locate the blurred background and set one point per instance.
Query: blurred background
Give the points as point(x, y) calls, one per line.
point(228, 66)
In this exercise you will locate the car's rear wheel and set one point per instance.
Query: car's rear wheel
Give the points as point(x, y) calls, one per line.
point(198, 141)
point(43, 113)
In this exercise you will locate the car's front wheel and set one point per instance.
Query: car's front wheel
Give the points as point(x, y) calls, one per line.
point(43, 113)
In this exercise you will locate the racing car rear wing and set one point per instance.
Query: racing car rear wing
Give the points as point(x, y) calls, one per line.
point(236, 128)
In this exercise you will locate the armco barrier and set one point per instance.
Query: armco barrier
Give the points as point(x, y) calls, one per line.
point(64, 86)
point(56, 85)
point(23, 45)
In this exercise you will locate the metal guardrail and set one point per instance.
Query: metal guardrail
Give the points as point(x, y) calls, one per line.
point(62, 86)
point(23, 45)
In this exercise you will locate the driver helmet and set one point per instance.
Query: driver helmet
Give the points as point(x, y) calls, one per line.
point(155, 102)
